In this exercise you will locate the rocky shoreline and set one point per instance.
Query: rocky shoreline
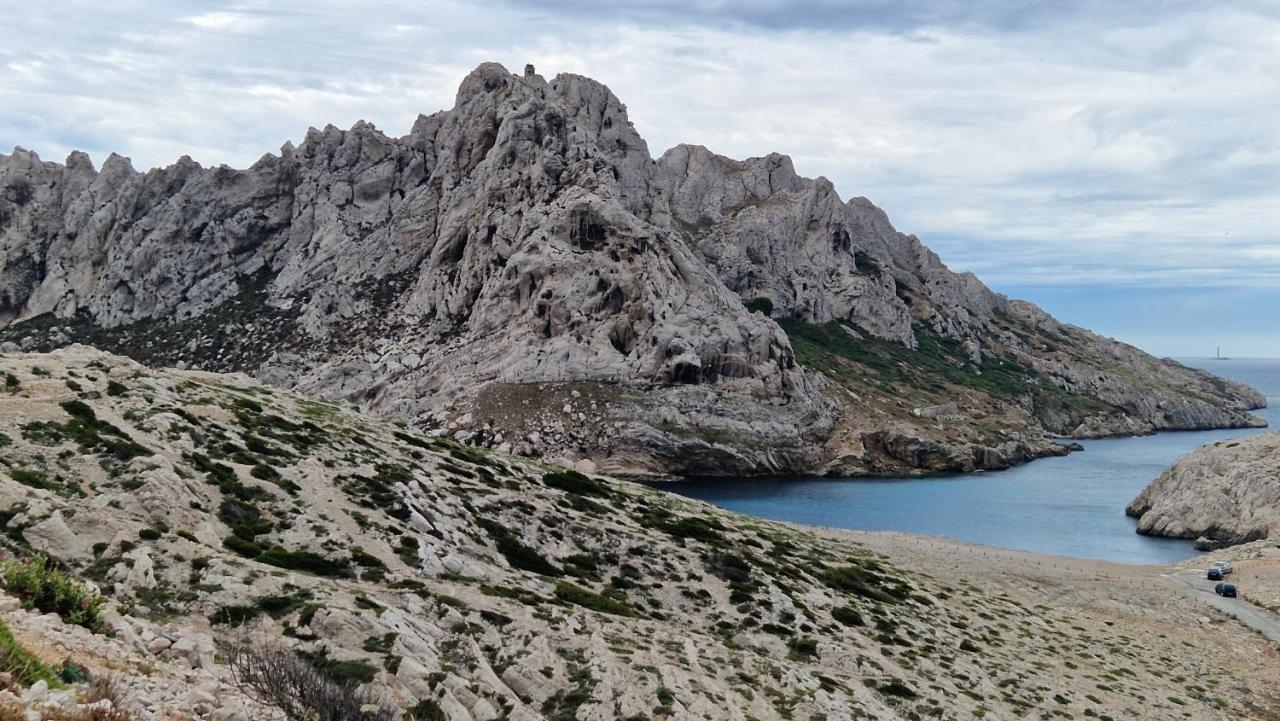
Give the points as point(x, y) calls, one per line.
point(1222, 494)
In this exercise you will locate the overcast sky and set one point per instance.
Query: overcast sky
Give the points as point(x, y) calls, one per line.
point(1117, 162)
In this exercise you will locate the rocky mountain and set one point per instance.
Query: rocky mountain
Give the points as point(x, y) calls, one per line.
point(466, 585)
point(1222, 494)
point(519, 272)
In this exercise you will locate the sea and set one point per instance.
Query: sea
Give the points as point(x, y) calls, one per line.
point(1071, 505)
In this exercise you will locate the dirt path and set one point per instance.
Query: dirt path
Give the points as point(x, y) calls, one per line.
point(1195, 584)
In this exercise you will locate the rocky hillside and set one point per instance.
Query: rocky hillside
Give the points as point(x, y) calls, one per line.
point(1222, 494)
point(466, 585)
point(521, 273)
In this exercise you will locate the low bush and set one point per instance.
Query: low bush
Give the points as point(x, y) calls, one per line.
point(38, 584)
point(848, 616)
point(427, 710)
point(92, 433)
point(574, 482)
point(234, 615)
point(33, 477)
point(518, 555)
point(860, 580)
point(281, 606)
point(305, 561)
point(708, 530)
point(299, 687)
point(804, 648)
point(346, 673)
point(579, 596)
point(240, 546)
point(894, 687)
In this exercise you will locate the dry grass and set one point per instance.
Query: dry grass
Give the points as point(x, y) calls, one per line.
point(279, 678)
point(14, 711)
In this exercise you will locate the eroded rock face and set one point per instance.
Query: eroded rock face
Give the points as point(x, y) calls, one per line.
point(1224, 493)
point(525, 243)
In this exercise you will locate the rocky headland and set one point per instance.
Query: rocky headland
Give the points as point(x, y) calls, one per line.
point(1221, 494)
point(520, 273)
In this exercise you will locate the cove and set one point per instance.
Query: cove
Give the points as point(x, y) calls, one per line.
point(1070, 505)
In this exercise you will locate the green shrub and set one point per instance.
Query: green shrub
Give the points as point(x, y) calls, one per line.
point(305, 561)
point(44, 433)
point(349, 671)
point(72, 672)
point(847, 615)
point(264, 472)
point(11, 381)
point(690, 527)
point(92, 433)
point(34, 478)
point(894, 687)
point(366, 560)
point(860, 580)
point(240, 546)
point(470, 454)
point(150, 534)
point(116, 389)
point(587, 599)
point(413, 440)
point(407, 550)
point(518, 555)
point(245, 519)
point(280, 606)
point(342, 672)
point(40, 585)
point(427, 710)
point(233, 615)
point(574, 482)
point(803, 648)
point(380, 644)
point(5, 440)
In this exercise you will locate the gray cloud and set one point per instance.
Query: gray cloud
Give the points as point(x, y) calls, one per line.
point(899, 16)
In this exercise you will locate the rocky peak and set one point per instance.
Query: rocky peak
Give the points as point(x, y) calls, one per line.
point(521, 247)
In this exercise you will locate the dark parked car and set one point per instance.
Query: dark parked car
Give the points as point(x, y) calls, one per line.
point(1226, 590)
point(1215, 574)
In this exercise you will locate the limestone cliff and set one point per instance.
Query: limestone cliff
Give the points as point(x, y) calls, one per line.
point(1221, 494)
point(519, 272)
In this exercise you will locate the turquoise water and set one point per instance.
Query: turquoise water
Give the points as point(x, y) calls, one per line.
point(1071, 506)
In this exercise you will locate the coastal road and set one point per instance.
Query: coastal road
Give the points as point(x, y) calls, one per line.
point(1198, 587)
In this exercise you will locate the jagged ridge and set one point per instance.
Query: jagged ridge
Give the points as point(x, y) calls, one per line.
point(519, 272)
